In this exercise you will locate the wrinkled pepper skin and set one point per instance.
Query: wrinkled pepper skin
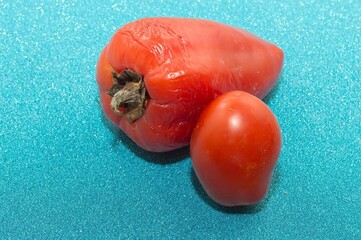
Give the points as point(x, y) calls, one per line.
point(185, 64)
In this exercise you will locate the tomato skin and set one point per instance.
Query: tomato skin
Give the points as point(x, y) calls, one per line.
point(185, 64)
point(234, 148)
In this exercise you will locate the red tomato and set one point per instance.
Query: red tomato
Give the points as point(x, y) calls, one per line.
point(235, 147)
point(156, 75)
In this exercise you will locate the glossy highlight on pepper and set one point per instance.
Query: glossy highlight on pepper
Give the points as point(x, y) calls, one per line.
point(177, 66)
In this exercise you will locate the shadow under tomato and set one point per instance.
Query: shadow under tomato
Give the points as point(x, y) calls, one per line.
point(154, 157)
point(273, 91)
point(162, 158)
point(251, 209)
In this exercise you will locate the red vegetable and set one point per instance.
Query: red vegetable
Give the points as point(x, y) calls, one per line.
point(156, 75)
point(234, 148)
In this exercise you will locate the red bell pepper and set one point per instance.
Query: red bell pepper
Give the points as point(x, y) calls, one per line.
point(156, 75)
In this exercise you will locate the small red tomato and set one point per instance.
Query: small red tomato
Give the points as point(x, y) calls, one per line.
point(235, 147)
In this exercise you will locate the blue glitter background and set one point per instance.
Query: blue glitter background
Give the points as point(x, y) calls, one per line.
point(66, 173)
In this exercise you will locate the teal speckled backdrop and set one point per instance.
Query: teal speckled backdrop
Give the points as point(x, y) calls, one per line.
point(66, 173)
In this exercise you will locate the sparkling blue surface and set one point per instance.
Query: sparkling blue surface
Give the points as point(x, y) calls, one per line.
point(66, 173)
